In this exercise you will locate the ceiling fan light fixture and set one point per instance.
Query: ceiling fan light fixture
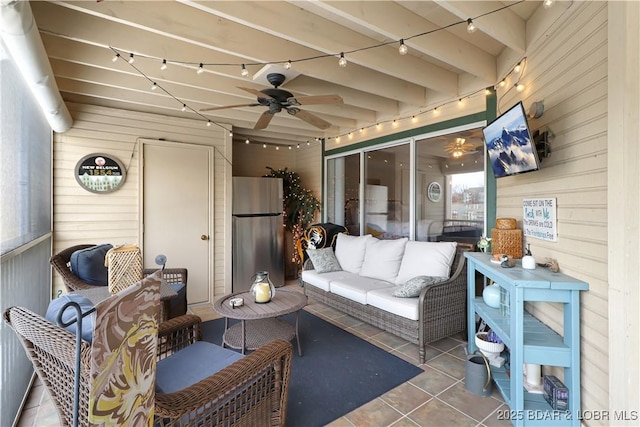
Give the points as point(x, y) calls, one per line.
point(244, 72)
point(471, 27)
point(458, 148)
point(342, 62)
point(403, 49)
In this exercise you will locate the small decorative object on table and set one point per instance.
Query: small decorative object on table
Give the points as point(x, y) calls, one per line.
point(491, 296)
point(528, 261)
point(484, 243)
point(236, 302)
point(262, 289)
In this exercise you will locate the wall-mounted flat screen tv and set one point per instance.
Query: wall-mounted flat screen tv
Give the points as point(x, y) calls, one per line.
point(510, 145)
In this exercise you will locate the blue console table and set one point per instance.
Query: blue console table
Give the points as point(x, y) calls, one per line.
point(528, 339)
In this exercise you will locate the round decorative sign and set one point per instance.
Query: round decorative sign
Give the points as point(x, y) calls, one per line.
point(434, 191)
point(100, 173)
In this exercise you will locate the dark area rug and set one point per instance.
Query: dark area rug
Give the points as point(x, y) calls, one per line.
point(337, 373)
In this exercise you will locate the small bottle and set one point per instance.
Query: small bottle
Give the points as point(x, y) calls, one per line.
point(528, 261)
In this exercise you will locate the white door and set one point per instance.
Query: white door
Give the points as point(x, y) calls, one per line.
point(178, 212)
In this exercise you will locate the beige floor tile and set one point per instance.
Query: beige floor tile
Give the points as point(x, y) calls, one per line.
point(449, 364)
point(404, 422)
point(438, 414)
point(433, 381)
point(477, 407)
point(406, 397)
point(374, 413)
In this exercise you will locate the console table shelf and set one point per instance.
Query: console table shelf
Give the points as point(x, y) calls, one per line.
point(528, 339)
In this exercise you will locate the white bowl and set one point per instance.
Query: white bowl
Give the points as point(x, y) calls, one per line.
point(486, 346)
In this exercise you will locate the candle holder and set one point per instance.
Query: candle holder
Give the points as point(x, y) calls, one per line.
point(262, 289)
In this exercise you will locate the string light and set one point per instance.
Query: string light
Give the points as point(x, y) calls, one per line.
point(244, 72)
point(517, 68)
point(200, 68)
point(115, 58)
point(471, 27)
point(519, 87)
point(154, 86)
point(342, 62)
point(208, 123)
point(184, 107)
point(131, 59)
point(403, 49)
point(288, 65)
point(164, 65)
point(246, 141)
point(547, 4)
point(264, 145)
point(502, 83)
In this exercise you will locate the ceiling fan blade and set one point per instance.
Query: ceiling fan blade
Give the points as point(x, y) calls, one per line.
point(229, 106)
point(317, 99)
point(264, 120)
point(309, 118)
point(255, 92)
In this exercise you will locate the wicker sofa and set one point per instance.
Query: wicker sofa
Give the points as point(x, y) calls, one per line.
point(438, 312)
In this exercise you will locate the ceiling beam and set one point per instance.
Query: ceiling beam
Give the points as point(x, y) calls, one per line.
point(504, 26)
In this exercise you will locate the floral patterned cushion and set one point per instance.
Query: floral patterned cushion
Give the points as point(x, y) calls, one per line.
point(324, 260)
point(414, 286)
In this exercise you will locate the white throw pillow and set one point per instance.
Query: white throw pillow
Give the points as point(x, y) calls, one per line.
point(426, 259)
point(350, 251)
point(382, 259)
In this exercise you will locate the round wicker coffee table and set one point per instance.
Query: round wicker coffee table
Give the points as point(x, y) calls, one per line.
point(263, 326)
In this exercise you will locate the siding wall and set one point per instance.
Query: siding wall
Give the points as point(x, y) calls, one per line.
point(84, 217)
point(567, 69)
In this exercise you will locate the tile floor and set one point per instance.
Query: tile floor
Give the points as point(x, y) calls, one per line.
point(436, 397)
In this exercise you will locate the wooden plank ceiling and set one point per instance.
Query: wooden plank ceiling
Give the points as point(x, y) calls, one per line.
point(444, 61)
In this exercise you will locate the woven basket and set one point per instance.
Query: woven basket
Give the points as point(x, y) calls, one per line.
point(506, 242)
point(125, 267)
point(506, 223)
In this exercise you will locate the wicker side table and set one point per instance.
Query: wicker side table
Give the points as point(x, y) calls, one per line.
point(263, 326)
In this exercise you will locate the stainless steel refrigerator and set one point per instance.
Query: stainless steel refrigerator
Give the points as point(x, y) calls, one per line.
point(258, 234)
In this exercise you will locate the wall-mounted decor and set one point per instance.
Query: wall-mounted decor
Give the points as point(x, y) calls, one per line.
point(539, 219)
point(434, 191)
point(100, 173)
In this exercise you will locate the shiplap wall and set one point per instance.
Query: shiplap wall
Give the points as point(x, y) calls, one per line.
point(567, 69)
point(84, 217)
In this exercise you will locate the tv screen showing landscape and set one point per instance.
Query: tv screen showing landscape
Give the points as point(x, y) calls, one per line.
point(510, 145)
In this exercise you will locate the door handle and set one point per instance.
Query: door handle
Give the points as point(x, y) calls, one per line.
point(204, 237)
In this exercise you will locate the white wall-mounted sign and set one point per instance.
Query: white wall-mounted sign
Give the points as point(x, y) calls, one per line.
point(539, 219)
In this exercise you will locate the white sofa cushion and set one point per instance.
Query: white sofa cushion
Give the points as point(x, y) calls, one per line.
point(350, 251)
point(382, 259)
point(384, 300)
point(426, 259)
point(323, 280)
point(356, 287)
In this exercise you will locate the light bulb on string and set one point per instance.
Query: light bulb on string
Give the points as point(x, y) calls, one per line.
point(115, 58)
point(342, 62)
point(184, 107)
point(288, 65)
point(209, 123)
point(164, 65)
point(298, 146)
point(200, 68)
point(471, 27)
point(519, 87)
point(517, 68)
point(230, 133)
point(264, 145)
point(244, 72)
point(290, 147)
point(403, 49)
point(131, 59)
point(277, 147)
point(154, 86)
point(502, 83)
point(246, 141)
point(547, 4)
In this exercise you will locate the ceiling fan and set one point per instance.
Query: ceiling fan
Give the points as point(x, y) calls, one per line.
point(279, 99)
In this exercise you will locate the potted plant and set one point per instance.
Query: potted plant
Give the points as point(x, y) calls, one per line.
point(299, 210)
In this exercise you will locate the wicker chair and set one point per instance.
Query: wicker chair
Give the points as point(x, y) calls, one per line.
point(173, 308)
point(251, 391)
